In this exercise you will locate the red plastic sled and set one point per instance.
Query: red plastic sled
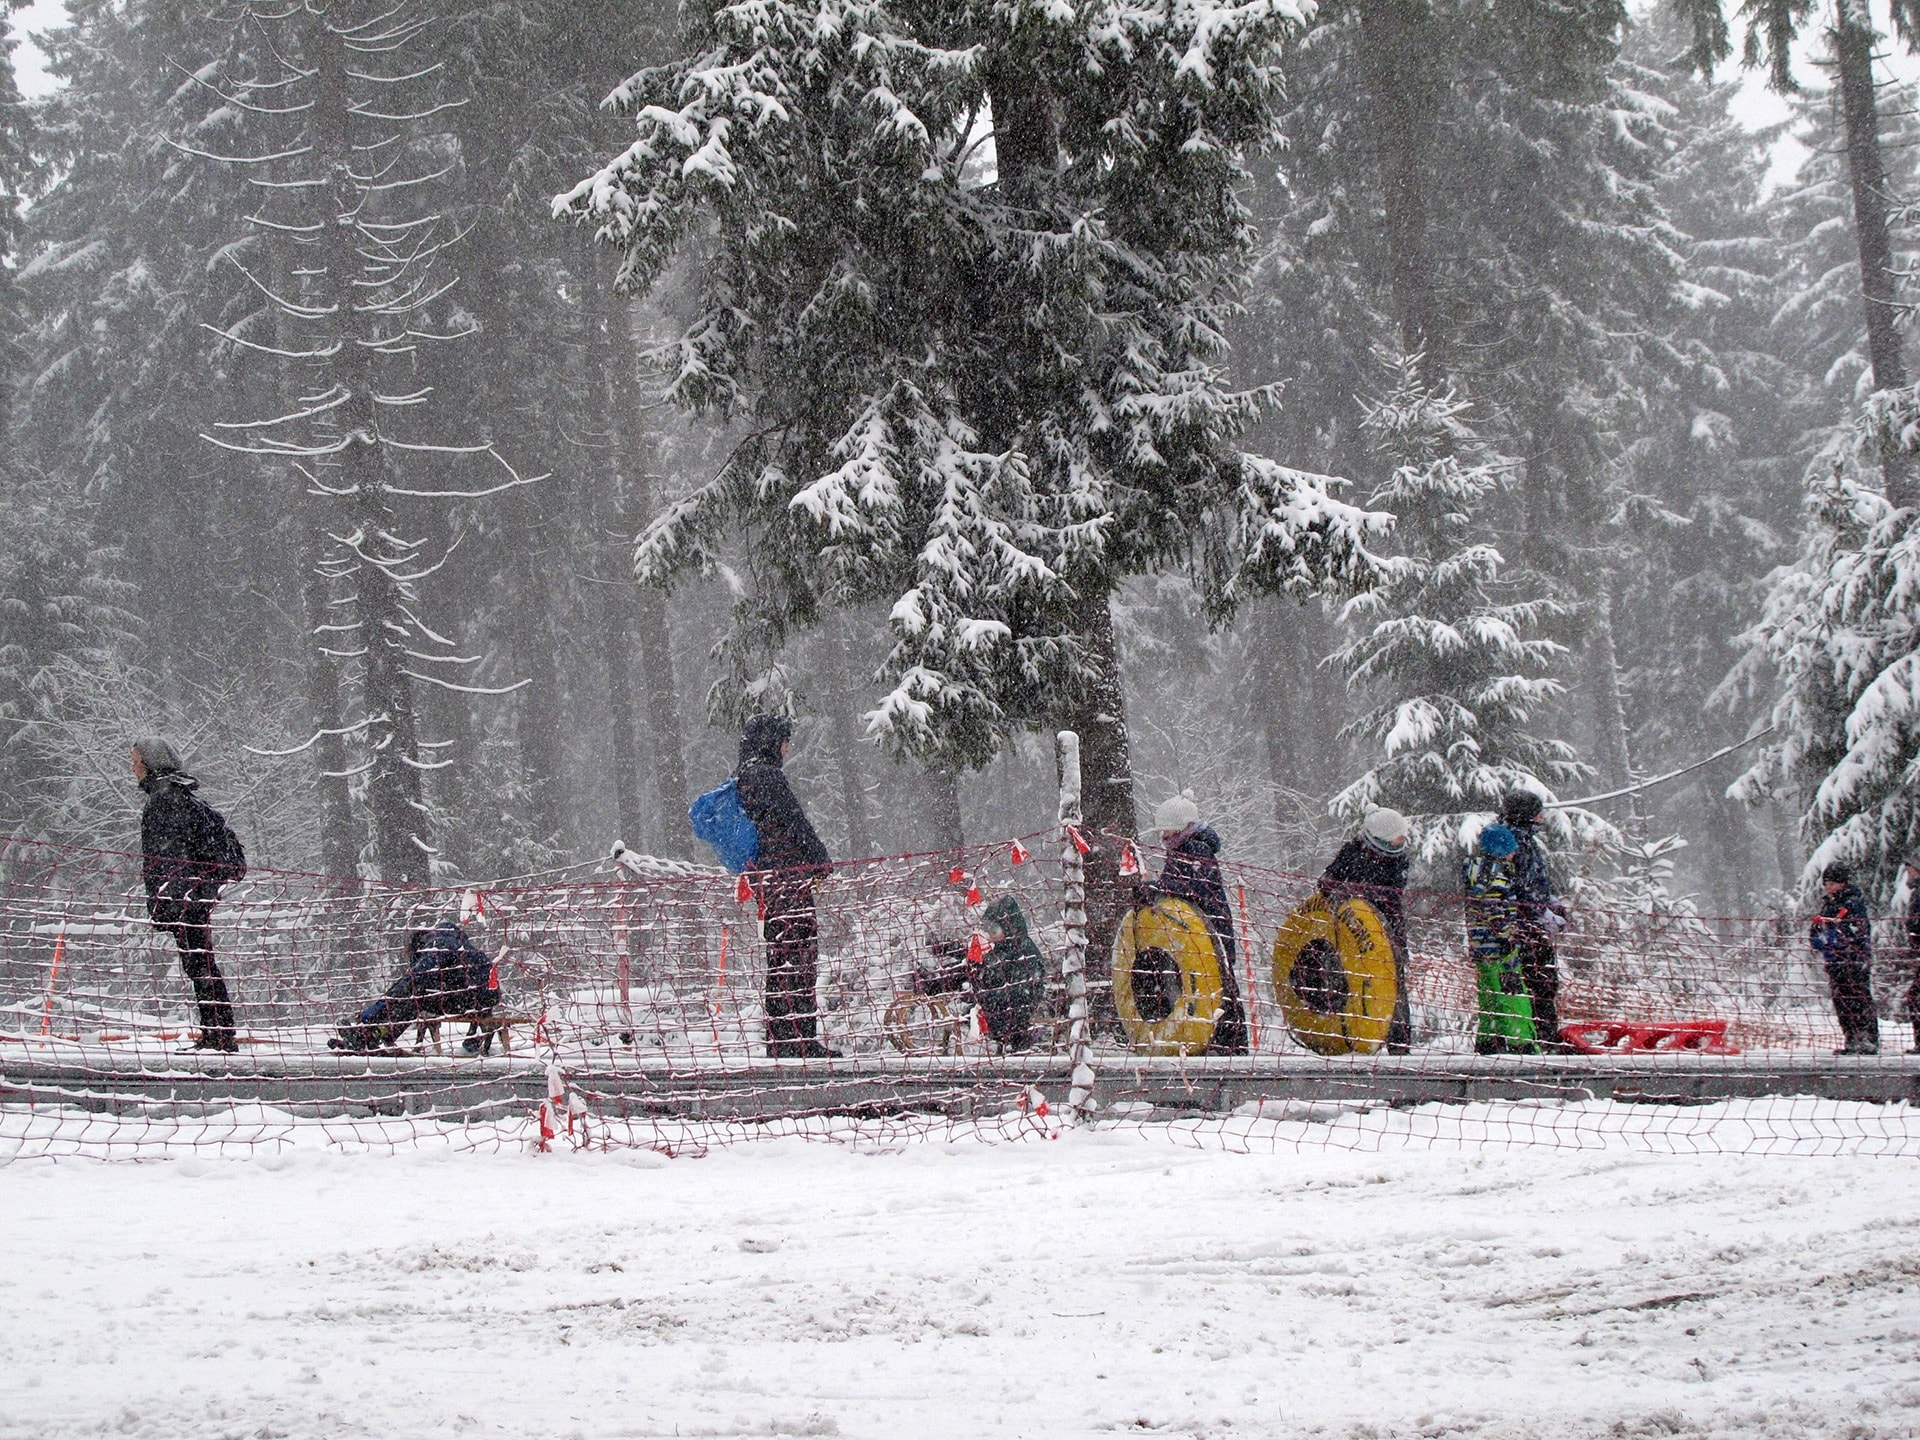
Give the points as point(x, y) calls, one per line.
point(1613, 1037)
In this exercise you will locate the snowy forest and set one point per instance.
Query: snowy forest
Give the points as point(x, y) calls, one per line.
point(447, 421)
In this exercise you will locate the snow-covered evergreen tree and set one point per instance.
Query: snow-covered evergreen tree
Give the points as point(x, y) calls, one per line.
point(1842, 630)
point(983, 405)
point(1457, 655)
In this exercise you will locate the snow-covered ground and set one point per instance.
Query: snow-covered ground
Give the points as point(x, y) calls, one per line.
point(1110, 1281)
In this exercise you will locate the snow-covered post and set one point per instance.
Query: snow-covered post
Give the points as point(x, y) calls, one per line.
point(1073, 918)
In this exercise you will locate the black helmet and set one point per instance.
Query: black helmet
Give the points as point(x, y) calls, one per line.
point(1837, 871)
point(1522, 807)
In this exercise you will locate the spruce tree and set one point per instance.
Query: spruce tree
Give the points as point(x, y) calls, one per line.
point(981, 404)
point(1456, 653)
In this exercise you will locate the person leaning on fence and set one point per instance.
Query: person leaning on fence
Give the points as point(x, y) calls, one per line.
point(1539, 915)
point(789, 866)
point(1494, 926)
point(1910, 870)
point(1191, 872)
point(1373, 867)
point(1842, 933)
point(188, 853)
point(447, 974)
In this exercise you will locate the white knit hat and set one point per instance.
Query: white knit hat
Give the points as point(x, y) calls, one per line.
point(1176, 812)
point(1385, 830)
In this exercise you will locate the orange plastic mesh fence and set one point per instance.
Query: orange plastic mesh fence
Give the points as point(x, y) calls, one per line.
point(632, 1012)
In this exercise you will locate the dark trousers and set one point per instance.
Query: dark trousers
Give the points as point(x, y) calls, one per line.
point(1913, 1005)
point(1540, 971)
point(792, 930)
point(1851, 983)
point(193, 933)
point(1230, 1027)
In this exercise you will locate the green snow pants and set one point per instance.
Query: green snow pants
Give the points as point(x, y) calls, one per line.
point(1506, 1013)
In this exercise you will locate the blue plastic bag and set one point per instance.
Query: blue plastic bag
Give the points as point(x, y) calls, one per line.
point(721, 820)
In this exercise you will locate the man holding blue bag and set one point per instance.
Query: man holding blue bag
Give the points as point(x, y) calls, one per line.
point(755, 824)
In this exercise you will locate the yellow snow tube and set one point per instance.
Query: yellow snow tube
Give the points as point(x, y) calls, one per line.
point(1333, 975)
point(1166, 978)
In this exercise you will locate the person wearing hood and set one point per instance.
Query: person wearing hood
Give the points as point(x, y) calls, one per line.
point(1373, 867)
point(1842, 933)
point(1191, 873)
point(1013, 975)
point(186, 855)
point(1912, 869)
point(1539, 916)
point(789, 866)
point(447, 974)
point(1494, 924)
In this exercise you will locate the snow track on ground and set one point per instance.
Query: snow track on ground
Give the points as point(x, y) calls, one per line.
point(1107, 1282)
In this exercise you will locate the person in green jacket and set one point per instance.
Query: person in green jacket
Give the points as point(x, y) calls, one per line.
point(1493, 917)
point(1012, 979)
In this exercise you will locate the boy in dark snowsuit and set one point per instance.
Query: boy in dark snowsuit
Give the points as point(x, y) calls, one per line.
point(1506, 1025)
point(790, 865)
point(1538, 916)
point(181, 838)
point(1192, 873)
point(1842, 933)
point(447, 974)
point(1373, 867)
point(1012, 978)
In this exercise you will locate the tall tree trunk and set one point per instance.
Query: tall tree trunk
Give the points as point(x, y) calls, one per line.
point(846, 742)
point(395, 801)
point(541, 701)
point(1853, 41)
point(1610, 693)
point(616, 653)
point(651, 626)
point(1096, 711)
point(942, 789)
point(339, 840)
point(1396, 52)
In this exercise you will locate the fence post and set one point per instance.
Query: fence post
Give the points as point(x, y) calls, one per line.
point(1073, 917)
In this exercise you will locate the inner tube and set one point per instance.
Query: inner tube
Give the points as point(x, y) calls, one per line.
point(1166, 978)
point(1333, 974)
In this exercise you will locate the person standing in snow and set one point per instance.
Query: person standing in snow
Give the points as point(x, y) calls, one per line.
point(788, 868)
point(1192, 873)
point(1494, 926)
point(1842, 933)
point(187, 853)
point(1539, 916)
point(1913, 947)
point(1373, 867)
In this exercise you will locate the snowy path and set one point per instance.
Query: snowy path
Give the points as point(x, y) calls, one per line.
point(1107, 1282)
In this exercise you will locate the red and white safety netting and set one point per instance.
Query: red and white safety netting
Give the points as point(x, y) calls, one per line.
point(632, 1014)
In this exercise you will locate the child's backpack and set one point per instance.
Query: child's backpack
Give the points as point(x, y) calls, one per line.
point(722, 821)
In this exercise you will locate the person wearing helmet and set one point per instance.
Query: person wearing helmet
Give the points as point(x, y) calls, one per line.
point(1539, 916)
point(1506, 1024)
point(788, 868)
point(1842, 933)
point(1373, 867)
point(1192, 873)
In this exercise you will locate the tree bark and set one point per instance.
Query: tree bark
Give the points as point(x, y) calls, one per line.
point(1396, 45)
point(1096, 711)
point(1615, 732)
point(616, 653)
point(942, 789)
point(846, 744)
point(1853, 41)
point(395, 802)
point(541, 700)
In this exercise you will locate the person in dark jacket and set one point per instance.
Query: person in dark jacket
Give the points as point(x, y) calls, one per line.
point(1540, 915)
point(1013, 976)
point(1913, 947)
point(789, 866)
point(1842, 933)
point(1191, 873)
point(1373, 866)
point(447, 974)
point(180, 840)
